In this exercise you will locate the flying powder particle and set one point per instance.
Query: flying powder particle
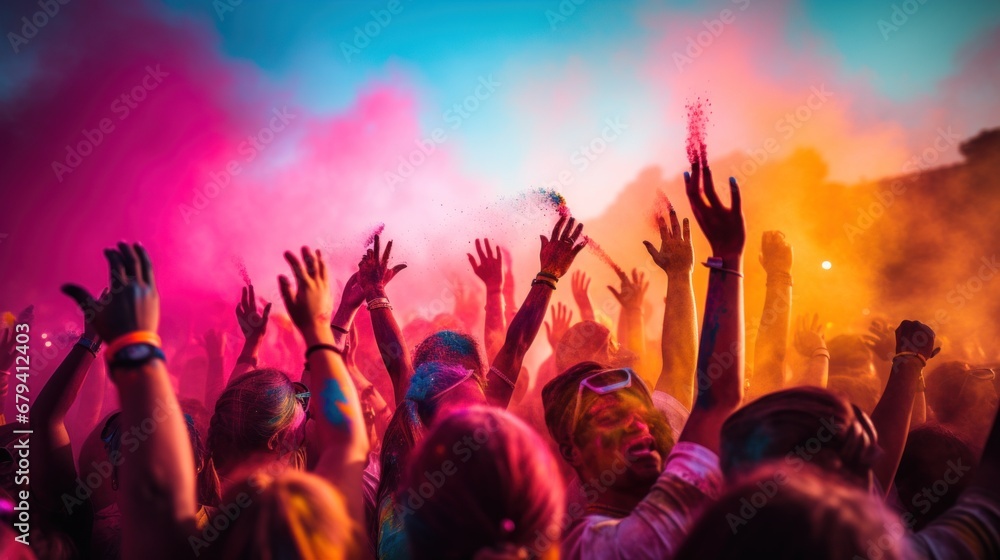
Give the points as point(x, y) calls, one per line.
point(697, 117)
point(377, 231)
point(661, 208)
point(599, 253)
point(555, 200)
point(242, 268)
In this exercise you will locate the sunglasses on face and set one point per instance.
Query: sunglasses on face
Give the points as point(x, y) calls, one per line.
point(604, 383)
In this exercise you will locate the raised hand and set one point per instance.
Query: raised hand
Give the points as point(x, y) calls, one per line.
point(632, 290)
point(581, 294)
point(880, 339)
point(775, 253)
point(914, 336)
point(490, 266)
point(132, 304)
point(809, 335)
point(89, 331)
point(374, 272)
point(252, 322)
point(354, 295)
point(310, 306)
point(676, 254)
point(214, 342)
point(581, 285)
point(557, 253)
point(562, 317)
point(724, 227)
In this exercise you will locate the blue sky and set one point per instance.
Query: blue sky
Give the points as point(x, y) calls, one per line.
point(429, 39)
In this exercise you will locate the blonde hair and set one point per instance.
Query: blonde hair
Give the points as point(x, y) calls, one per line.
point(294, 515)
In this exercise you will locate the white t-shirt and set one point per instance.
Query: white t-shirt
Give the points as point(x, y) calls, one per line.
point(657, 527)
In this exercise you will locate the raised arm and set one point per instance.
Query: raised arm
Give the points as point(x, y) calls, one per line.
point(881, 340)
point(489, 269)
point(556, 256)
point(581, 295)
point(562, 318)
point(253, 325)
point(376, 410)
point(156, 482)
point(775, 321)
point(373, 274)
point(679, 341)
point(509, 309)
point(631, 327)
point(721, 347)
point(350, 302)
point(891, 417)
point(811, 344)
point(55, 474)
point(335, 404)
point(214, 343)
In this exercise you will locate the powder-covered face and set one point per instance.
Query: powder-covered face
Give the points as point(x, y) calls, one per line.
point(622, 434)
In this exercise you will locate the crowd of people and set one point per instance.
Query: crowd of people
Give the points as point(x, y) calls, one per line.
point(441, 445)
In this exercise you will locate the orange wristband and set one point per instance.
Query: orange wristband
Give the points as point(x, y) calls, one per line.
point(134, 337)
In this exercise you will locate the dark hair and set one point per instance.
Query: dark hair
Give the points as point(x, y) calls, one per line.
point(256, 412)
point(862, 390)
point(777, 425)
point(557, 399)
point(943, 392)
point(848, 354)
point(779, 514)
point(451, 347)
point(936, 459)
point(502, 489)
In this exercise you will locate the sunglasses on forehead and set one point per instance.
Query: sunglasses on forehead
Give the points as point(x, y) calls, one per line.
point(604, 383)
point(981, 374)
point(302, 394)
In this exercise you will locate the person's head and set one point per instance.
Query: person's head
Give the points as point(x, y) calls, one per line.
point(453, 348)
point(590, 341)
point(935, 468)
point(604, 420)
point(850, 355)
point(111, 437)
point(783, 514)
point(804, 425)
point(438, 388)
point(958, 393)
point(294, 515)
point(260, 415)
point(860, 390)
point(485, 481)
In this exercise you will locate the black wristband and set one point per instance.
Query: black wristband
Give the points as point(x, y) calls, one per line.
point(318, 347)
point(135, 355)
point(544, 281)
point(339, 329)
point(548, 275)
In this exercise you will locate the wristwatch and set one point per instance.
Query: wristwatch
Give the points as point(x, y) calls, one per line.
point(135, 355)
